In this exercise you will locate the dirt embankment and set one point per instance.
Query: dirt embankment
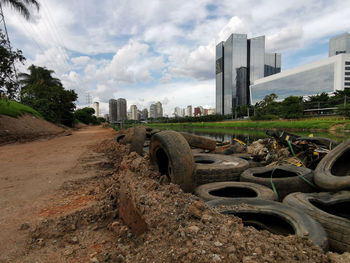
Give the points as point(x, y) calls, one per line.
point(83, 198)
point(26, 128)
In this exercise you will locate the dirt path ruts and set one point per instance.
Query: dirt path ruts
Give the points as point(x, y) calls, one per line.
point(30, 173)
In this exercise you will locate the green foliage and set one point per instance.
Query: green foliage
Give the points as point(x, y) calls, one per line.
point(292, 107)
point(85, 115)
point(344, 110)
point(8, 83)
point(46, 94)
point(15, 109)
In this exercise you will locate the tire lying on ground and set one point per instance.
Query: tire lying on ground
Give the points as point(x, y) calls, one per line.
point(199, 141)
point(274, 217)
point(221, 190)
point(286, 179)
point(173, 157)
point(134, 136)
point(333, 171)
point(329, 209)
point(218, 168)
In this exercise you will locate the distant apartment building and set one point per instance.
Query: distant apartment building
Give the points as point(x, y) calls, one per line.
point(197, 112)
point(211, 111)
point(113, 110)
point(153, 111)
point(121, 106)
point(96, 106)
point(156, 110)
point(239, 62)
point(179, 112)
point(133, 111)
point(159, 110)
point(189, 111)
point(106, 116)
point(205, 112)
point(144, 114)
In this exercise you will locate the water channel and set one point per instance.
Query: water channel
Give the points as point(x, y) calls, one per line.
point(250, 135)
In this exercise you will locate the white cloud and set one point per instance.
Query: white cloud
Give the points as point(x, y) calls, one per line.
point(162, 50)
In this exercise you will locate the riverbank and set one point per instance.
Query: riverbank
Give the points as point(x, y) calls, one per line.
point(326, 124)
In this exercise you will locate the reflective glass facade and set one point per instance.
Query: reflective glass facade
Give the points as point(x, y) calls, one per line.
point(272, 64)
point(305, 83)
point(220, 78)
point(240, 62)
point(339, 44)
point(235, 71)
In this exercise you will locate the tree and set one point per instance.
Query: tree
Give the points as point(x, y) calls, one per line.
point(8, 83)
point(46, 94)
point(85, 115)
point(292, 107)
point(21, 6)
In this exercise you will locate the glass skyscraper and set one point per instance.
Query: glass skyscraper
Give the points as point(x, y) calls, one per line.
point(239, 62)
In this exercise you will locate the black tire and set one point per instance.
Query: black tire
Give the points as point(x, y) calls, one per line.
point(212, 168)
point(221, 190)
point(150, 132)
point(172, 155)
point(333, 171)
point(134, 136)
point(199, 141)
point(274, 217)
point(286, 179)
point(331, 210)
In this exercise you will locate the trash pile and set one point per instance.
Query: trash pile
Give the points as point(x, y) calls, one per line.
point(304, 174)
point(177, 197)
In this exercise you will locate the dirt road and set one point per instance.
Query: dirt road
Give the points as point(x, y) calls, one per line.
point(31, 173)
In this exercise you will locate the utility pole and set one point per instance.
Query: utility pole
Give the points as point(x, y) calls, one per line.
point(88, 99)
point(7, 44)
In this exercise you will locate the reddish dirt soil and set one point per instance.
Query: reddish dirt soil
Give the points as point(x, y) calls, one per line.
point(84, 198)
point(27, 128)
point(32, 173)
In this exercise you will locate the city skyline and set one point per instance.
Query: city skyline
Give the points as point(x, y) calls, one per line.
point(115, 50)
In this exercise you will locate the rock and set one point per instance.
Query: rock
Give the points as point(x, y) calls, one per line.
point(196, 209)
point(68, 252)
point(193, 229)
point(216, 258)
point(94, 260)
point(24, 226)
point(75, 240)
point(218, 244)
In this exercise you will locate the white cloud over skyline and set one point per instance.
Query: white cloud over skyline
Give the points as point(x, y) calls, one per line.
point(147, 51)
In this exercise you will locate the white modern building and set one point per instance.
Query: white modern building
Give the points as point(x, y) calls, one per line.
point(133, 111)
point(97, 109)
point(189, 111)
point(327, 75)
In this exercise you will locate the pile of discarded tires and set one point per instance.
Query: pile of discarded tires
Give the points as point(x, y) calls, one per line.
point(280, 199)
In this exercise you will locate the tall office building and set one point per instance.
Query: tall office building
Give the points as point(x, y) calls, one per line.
point(339, 44)
point(153, 111)
point(159, 110)
point(133, 110)
point(97, 109)
point(189, 111)
point(144, 114)
point(112, 110)
point(121, 112)
point(239, 62)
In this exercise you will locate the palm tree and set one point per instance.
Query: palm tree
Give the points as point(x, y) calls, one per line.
point(21, 6)
point(39, 75)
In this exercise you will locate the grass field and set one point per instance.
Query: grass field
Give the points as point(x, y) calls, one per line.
point(320, 124)
point(15, 109)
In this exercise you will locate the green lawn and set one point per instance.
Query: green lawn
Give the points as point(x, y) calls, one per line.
point(304, 124)
point(15, 109)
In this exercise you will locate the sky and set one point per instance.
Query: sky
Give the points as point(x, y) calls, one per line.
point(164, 50)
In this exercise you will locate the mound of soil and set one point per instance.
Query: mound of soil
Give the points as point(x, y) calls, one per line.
point(26, 128)
point(129, 214)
